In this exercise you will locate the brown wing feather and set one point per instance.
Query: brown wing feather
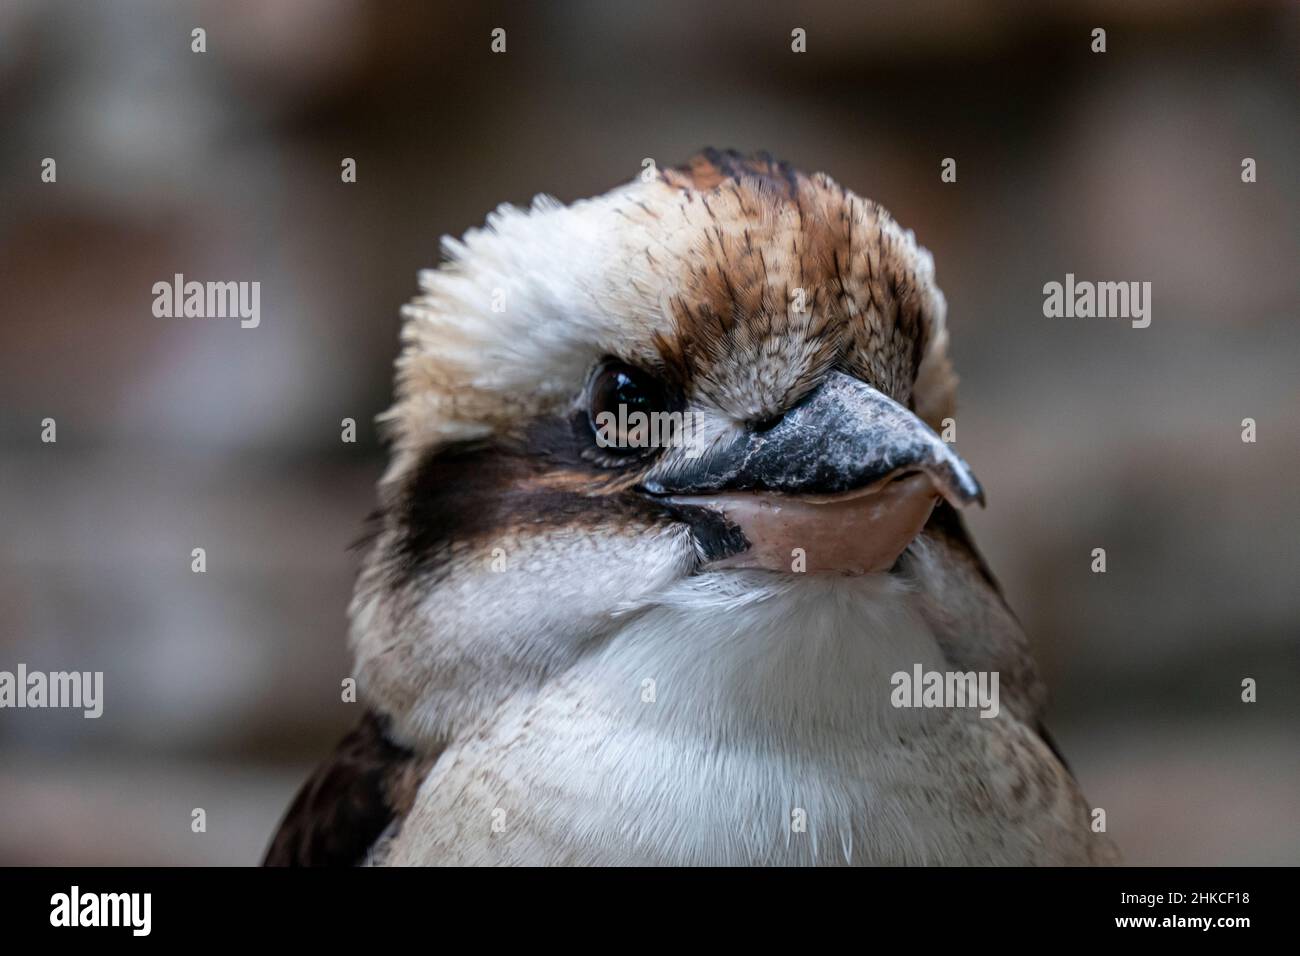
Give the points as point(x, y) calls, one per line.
point(947, 522)
point(348, 802)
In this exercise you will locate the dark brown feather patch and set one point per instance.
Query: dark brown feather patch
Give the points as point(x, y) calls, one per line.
point(348, 802)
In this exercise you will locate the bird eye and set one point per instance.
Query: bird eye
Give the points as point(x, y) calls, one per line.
point(624, 405)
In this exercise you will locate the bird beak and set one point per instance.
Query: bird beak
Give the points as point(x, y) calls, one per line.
point(843, 482)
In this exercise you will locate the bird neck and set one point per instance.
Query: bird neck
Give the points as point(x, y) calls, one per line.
point(763, 652)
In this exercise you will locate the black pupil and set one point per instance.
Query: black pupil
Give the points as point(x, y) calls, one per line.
point(625, 386)
point(620, 386)
point(625, 391)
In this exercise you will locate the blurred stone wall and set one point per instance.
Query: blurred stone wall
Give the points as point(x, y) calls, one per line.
point(223, 688)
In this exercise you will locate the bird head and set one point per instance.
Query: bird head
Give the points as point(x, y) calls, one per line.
point(725, 368)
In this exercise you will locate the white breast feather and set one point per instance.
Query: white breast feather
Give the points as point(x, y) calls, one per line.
point(770, 705)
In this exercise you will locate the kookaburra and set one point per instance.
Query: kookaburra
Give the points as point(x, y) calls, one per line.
point(577, 647)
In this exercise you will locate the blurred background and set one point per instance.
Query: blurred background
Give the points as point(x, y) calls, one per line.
point(222, 689)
